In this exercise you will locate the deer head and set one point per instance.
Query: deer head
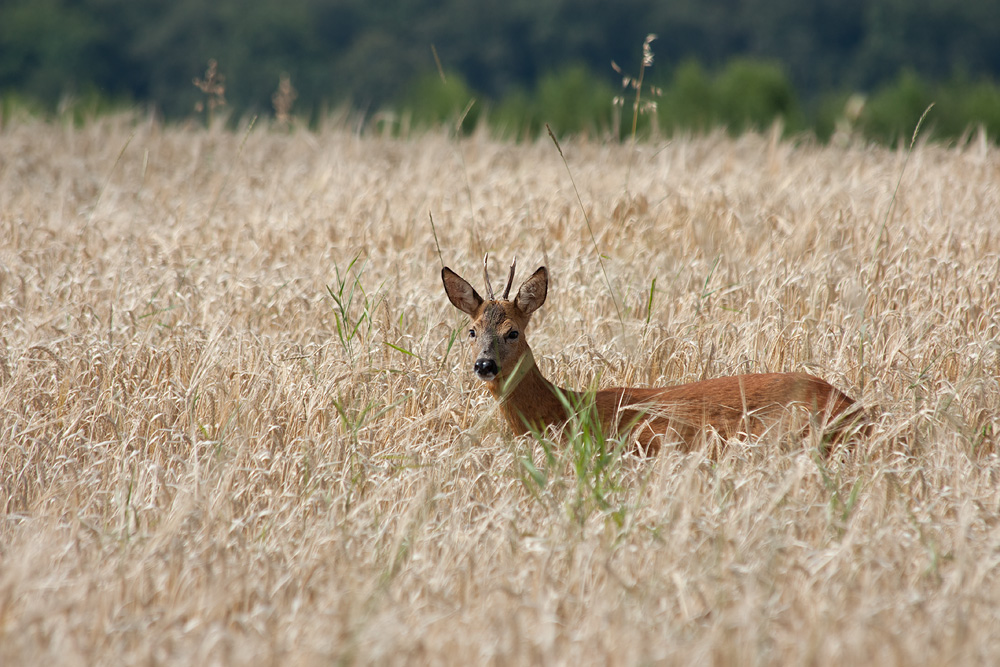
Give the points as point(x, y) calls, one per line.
point(496, 333)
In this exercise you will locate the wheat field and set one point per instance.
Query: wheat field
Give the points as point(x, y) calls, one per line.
point(238, 423)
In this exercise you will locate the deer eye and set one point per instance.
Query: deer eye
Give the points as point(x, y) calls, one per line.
point(472, 333)
point(512, 335)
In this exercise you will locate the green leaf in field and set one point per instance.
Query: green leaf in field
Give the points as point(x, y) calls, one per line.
point(403, 350)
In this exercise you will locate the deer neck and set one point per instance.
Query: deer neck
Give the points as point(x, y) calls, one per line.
point(527, 399)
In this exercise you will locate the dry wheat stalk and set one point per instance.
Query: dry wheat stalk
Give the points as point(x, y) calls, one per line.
point(195, 467)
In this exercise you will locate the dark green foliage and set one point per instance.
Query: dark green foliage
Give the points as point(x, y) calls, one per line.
point(746, 95)
point(572, 101)
point(960, 106)
point(830, 114)
point(435, 101)
point(752, 95)
point(515, 117)
point(49, 48)
point(893, 112)
point(689, 103)
point(982, 103)
point(526, 62)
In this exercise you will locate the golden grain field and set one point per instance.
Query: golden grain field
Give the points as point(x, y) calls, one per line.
point(238, 424)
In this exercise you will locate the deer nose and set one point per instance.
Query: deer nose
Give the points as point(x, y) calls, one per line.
point(486, 368)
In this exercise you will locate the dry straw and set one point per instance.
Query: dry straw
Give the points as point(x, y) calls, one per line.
point(206, 458)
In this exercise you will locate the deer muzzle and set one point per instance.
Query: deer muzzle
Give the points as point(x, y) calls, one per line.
point(486, 369)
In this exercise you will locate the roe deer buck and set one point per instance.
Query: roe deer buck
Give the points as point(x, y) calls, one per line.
point(678, 414)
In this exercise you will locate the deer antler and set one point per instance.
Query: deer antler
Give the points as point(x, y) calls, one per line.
point(510, 278)
point(486, 275)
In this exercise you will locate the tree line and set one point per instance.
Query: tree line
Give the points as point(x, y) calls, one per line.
point(717, 62)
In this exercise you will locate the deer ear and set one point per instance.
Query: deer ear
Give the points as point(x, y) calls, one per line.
point(531, 296)
point(460, 292)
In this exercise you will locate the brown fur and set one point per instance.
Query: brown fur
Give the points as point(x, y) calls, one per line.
point(679, 414)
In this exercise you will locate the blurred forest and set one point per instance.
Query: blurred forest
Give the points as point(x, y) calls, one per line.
point(525, 62)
